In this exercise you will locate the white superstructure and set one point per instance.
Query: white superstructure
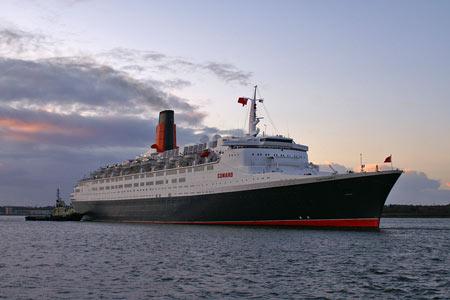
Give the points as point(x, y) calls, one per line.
point(224, 164)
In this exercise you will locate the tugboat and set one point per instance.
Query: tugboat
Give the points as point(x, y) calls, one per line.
point(61, 212)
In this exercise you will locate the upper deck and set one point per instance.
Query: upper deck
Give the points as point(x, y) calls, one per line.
point(271, 142)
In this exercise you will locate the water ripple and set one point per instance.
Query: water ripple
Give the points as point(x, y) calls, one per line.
point(407, 258)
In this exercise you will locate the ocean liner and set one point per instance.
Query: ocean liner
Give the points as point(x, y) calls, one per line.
point(255, 179)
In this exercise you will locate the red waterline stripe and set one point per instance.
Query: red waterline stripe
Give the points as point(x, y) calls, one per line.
point(367, 223)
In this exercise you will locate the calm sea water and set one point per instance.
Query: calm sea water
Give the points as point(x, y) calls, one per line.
point(407, 258)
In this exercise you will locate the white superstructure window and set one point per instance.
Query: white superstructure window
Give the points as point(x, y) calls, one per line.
point(199, 169)
point(171, 172)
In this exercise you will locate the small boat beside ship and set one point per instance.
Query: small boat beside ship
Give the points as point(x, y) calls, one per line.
point(61, 212)
point(248, 180)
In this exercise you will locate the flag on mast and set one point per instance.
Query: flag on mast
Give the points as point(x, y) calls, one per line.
point(388, 159)
point(243, 101)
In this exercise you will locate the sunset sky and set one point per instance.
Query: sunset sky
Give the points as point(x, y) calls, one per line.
point(82, 83)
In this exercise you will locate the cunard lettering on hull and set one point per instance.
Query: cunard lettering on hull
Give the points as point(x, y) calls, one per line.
point(250, 180)
point(224, 175)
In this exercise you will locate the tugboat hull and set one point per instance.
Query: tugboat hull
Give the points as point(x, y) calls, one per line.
point(69, 217)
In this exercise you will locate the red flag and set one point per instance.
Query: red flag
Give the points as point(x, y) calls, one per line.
point(243, 101)
point(261, 100)
point(388, 159)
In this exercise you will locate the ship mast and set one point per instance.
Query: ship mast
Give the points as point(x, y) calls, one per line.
point(253, 120)
point(58, 195)
point(59, 201)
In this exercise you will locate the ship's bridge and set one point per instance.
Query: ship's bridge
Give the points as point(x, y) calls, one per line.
point(272, 142)
point(266, 154)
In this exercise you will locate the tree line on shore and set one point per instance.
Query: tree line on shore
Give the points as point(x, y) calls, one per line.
point(416, 211)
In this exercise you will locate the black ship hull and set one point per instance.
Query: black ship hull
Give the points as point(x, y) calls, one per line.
point(355, 201)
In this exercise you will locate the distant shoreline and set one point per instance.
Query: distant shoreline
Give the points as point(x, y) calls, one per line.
point(416, 211)
point(389, 211)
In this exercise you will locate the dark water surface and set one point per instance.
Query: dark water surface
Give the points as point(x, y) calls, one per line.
point(407, 258)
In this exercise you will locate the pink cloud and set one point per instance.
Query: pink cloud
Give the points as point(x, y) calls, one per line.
point(22, 130)
point(43, 109)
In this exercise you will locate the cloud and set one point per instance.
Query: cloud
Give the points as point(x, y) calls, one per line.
point(325, 167)
point(229, 73)
point(416, 188)
point(76, 85)
point(192, 119)
point(17, 42)
point(64, 147)
point(134, 60)
point(132, 55)
point(42, 127)
point(176, 83)
point(29, 131)
point(66, 116)
point(31, 176)
point(412, 187)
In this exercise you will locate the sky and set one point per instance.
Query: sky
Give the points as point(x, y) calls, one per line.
point(82, 83)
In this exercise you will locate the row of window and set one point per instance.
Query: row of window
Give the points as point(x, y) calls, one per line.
point(268, 147)
point(136, 184)
point(174, 180)
point(157, 174)
point(281, 155)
